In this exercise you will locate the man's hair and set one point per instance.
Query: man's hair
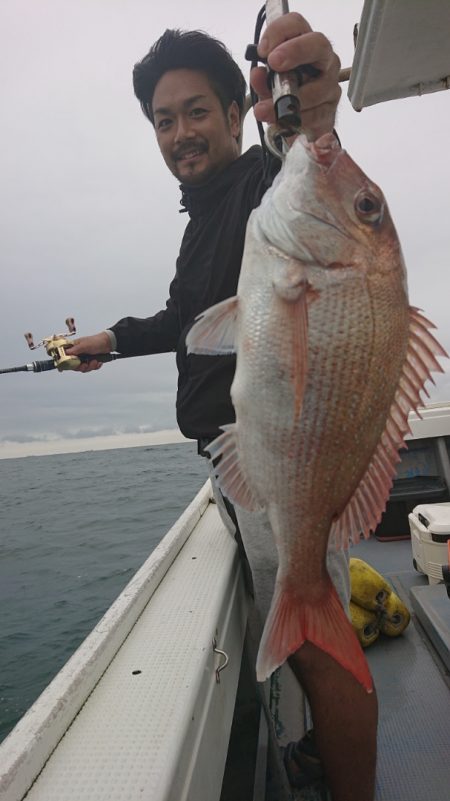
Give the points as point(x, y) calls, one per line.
point(192, 50)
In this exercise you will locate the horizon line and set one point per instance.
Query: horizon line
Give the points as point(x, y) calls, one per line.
point(18, 450)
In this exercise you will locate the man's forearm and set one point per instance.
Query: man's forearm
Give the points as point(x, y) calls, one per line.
point(137, 336)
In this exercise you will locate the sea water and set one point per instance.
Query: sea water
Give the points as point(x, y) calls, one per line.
point(74, 528)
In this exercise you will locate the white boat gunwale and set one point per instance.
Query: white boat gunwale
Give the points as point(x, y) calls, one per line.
point(28, 747)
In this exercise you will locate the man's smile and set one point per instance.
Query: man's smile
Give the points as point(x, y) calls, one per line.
point(190, 154)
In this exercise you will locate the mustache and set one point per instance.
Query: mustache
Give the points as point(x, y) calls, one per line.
point(188, 148)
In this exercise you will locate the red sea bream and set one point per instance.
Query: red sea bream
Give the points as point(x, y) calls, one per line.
point(330, 360)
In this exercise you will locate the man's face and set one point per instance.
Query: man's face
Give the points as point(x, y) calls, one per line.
point(196, 138)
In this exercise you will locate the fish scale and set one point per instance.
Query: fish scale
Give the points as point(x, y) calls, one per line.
point(330, 360)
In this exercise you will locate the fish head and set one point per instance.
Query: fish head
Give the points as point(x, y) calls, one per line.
point(325, 212)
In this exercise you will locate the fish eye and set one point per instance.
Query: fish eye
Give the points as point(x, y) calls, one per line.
point(368, 207)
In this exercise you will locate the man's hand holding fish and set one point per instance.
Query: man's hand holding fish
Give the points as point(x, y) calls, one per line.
point(289, 42)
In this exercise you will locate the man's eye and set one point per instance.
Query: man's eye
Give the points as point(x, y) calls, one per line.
point(163, 124)
point(198, 112)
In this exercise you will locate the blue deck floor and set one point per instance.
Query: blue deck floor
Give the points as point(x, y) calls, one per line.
point(413, 693)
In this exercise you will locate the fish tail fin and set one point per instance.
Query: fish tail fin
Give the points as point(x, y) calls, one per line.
point(293, 620)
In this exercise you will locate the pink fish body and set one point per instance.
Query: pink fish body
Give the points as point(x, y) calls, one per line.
point(330, 360)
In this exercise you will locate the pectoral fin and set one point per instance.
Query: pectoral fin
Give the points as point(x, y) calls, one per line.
point(214, 331)
point(295, 292)
point(299, 365)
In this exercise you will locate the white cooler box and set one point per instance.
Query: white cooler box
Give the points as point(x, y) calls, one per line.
point(430, 533)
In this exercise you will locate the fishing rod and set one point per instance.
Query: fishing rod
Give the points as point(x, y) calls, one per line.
point(55, 346)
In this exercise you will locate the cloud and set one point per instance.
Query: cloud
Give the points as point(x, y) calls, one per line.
point(16, 437)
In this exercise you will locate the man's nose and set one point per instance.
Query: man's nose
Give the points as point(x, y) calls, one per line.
point(184, 129)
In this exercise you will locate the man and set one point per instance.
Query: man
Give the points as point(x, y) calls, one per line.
point(193, 93)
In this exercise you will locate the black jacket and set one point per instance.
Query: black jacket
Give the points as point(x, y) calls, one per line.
point(207, 272)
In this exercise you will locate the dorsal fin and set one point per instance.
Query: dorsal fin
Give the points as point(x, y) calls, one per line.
point(364, 509)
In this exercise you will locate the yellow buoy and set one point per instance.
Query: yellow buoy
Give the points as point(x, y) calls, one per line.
point(368, 588)
point(395, 616)
point(365, 624)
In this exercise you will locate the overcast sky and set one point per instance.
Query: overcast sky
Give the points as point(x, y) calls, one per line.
point(89, 213)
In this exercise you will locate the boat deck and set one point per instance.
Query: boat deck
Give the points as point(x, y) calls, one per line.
point(412, 679)
point(413, 684)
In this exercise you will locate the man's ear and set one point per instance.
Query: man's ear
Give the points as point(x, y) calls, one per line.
point(234, 120)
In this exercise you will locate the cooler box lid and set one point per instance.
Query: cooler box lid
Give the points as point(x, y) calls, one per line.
point(434, 516)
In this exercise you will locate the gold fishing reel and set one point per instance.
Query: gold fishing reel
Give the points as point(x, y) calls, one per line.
point(55, 346)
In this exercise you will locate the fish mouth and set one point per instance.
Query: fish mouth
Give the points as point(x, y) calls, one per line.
point(325, 150)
